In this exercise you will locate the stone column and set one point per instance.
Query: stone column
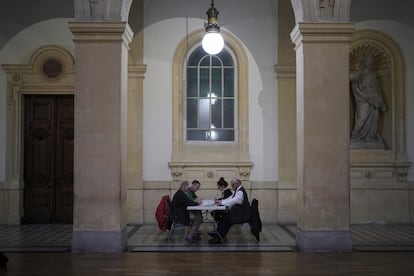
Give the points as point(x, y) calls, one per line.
point(322, 103)
point(100, 135)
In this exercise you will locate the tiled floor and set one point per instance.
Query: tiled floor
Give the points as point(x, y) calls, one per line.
point(239, 238)
point(35, 237)
point(57, 238)
point(373, 237)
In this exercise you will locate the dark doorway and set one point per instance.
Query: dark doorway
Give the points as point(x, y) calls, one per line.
point(48, 158)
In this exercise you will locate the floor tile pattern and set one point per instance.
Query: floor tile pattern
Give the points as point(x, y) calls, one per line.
point(375, 237)
point(35, 237)
point(239, 238)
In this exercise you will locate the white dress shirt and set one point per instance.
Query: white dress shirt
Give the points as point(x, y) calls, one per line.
point(235, 199)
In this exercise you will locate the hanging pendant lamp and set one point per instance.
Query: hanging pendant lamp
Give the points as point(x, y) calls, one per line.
point(212, 41)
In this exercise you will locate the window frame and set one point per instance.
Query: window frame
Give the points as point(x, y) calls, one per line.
point(194, 159)
point(198, 97)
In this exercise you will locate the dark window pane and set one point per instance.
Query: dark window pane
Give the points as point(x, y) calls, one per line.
point(205, 61)
point(226, 58)
point(224, 135)
point(195, 56)
point(197, 135)
point(228, 82)
point(216, 61)
point(204, 113)
point(204, 82)
point(192, 82)
point(228, 113)
point(216, 113)
point(216, 81)
point(191, 113)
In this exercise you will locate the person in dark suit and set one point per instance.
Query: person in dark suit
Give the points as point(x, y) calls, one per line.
point(239, 211)
point(179, 210)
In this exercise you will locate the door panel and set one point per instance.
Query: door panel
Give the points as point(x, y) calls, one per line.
point(48, 160)
point(38, 148)
point(64, 160)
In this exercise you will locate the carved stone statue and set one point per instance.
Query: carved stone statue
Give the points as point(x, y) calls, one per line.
point(369, 105)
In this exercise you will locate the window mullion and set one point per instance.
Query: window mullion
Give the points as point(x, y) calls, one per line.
point(210, 73)
point(222, 97)
point(198, 95)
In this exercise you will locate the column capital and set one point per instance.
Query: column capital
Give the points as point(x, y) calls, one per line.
point(322, 32)
point(137, 71)
point(285, 71)
point(101, 32)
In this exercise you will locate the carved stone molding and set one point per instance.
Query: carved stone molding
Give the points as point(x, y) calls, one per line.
point(87, 32)
point(307, 11)
point(102, 10)
point(31, 78)
point(137, 71)
point(379, 171)
point(205, 170)
point(285, 71)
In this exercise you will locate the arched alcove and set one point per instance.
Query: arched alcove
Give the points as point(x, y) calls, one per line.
point(390, 162)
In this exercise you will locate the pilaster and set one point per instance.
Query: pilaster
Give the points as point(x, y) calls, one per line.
point(134, 184)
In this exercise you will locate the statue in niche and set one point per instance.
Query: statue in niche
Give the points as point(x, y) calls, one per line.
point(369, 105)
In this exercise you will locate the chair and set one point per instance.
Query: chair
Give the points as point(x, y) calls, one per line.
point(255, 221)
point(171, 220)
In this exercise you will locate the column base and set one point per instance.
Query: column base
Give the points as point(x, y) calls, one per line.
point(99, 241)
point(324, 241)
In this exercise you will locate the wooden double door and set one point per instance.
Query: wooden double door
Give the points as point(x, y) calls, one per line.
point(48, 158)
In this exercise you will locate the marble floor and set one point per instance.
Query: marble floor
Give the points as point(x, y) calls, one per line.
point(148, 238)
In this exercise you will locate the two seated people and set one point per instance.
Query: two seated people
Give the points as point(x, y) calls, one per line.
point(238, 203)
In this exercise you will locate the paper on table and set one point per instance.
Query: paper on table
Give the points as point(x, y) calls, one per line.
point(207, 202)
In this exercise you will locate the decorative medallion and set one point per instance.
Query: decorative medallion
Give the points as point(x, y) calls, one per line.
point(368, 175)
point(52, 68)
point(210, 174)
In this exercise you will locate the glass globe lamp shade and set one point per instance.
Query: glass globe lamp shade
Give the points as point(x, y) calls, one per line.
point(212, 43)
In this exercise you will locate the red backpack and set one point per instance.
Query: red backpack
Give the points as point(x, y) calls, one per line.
point(162, 214)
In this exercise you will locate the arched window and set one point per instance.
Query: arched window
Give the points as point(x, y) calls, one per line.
point(210, 96)
point(210, 111)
